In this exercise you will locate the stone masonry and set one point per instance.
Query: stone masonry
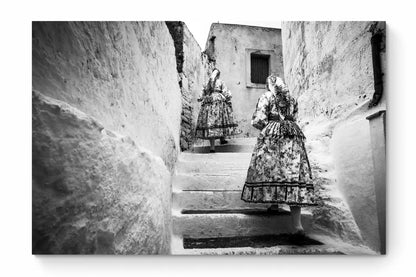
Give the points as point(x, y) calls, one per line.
point(106, 124)
point(193, 70)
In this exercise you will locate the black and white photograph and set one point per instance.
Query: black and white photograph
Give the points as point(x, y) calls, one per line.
point(207, 138)
point(267, 140)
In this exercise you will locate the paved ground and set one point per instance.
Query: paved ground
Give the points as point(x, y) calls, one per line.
point(208, 212)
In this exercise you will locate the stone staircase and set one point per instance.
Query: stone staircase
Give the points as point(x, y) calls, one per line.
point(209, 218)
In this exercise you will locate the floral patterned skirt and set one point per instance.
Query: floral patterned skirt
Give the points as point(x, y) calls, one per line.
point(215, 120)
point(279, 170)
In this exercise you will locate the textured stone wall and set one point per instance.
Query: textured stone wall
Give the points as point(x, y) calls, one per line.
point(328, 67)
point(227, 45)
point(94, 191)
point(352, 154)
point(193, 70)
point(121, 73)
point(106, 124)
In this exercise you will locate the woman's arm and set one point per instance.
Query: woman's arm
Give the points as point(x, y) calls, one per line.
point(225, 92)
point(261, 114)
point(293, 109)
point(203, 94)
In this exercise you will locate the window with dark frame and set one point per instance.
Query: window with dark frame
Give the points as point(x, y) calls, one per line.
point(259, 66)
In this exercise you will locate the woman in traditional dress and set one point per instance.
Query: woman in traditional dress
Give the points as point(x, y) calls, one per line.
point(215, 119)
point(279, 170)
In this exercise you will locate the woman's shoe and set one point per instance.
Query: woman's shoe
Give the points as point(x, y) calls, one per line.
point(211, 151)
point(223, 141)
point(299, 233)
point(273, 209)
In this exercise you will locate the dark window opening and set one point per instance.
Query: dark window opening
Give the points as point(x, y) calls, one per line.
point(259, 68)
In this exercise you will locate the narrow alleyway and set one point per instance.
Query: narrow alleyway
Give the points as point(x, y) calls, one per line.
point(209, 217)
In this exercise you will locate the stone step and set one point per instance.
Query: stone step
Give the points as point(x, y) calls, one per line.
point(249, 241)
point(233, 145)
point(247, 211)
point(231, 141)
point(330, 246)
point(213, 181)
point(224, 149)
point(208, 211)
point(277, 250)
point(227, 158)
point(214, 199)
point(218, 163)
point(230, 225)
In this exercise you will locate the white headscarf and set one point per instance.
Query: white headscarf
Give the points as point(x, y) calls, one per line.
point(276, 82)
point(215, 74)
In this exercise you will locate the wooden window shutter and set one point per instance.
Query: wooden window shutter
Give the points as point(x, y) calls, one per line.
point(259, 66)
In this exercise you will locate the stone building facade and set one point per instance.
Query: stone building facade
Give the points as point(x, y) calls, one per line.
point(244, 55)
point(336, 69)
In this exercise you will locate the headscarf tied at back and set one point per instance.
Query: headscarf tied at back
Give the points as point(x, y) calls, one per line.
point(278, 83)
point(215, 74)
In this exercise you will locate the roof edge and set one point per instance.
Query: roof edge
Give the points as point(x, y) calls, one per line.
point(242, 25)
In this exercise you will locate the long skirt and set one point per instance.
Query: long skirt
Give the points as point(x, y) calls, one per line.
point(279, 170)
point(215, 120)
